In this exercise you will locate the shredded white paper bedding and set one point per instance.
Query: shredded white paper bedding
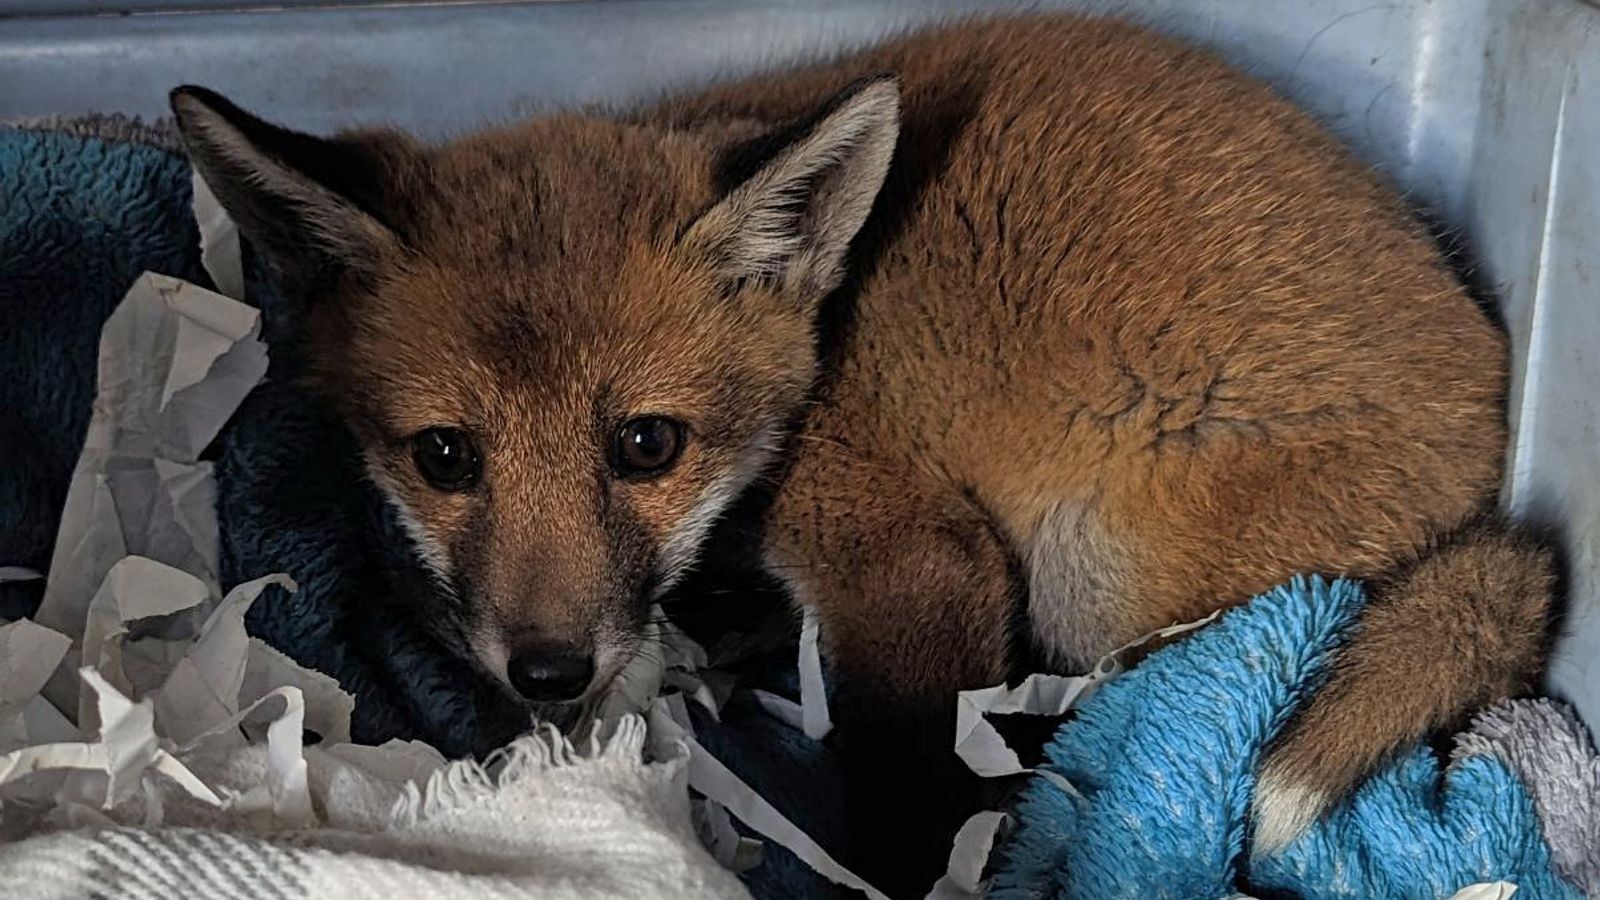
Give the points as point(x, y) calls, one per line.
point(150, 748)
point(149, 745)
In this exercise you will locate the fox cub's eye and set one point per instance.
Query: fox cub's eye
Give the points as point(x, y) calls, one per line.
point(447, 458)
point(647, 446)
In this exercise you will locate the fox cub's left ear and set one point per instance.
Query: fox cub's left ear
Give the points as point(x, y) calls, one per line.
point(790, 224)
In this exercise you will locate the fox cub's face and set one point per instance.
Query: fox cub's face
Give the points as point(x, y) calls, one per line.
point(564, 347)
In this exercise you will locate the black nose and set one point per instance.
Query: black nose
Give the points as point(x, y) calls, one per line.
point(550, 676)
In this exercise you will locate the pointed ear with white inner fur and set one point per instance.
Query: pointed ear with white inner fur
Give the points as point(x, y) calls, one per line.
point(791, 223)
point(311, 205)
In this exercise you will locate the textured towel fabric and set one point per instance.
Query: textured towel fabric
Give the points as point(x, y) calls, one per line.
point(550, 824)
point(1164, 757)
point(1546, 745)
point(85, 207)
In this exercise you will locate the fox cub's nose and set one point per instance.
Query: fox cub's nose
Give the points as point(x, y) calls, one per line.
point(550, 675)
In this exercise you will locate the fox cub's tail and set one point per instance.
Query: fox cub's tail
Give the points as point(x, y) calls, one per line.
point(1462, 627)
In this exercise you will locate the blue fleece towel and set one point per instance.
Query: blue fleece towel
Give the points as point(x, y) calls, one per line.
point(1165, 758)
point(84, 209)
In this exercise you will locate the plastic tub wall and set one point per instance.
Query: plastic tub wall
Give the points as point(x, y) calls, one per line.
point(1487, 112)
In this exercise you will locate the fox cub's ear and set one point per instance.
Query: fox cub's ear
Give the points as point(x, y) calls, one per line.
point(315, 208)
point(790, 224)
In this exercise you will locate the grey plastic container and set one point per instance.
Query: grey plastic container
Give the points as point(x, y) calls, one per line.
point(1487, 112)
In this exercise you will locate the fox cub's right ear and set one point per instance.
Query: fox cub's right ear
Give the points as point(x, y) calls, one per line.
point(790, 224)
point(315, 208)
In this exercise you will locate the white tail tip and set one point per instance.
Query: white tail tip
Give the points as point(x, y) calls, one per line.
point(1282, 810)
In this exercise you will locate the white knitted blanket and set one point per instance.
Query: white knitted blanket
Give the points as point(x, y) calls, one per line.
point(552, 823)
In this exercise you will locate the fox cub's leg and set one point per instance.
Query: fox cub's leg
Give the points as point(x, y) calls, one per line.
point(916, 595)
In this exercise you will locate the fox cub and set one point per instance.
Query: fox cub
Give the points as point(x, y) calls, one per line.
point(1021, 337)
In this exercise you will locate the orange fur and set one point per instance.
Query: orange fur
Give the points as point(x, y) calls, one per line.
point(1125, 338)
